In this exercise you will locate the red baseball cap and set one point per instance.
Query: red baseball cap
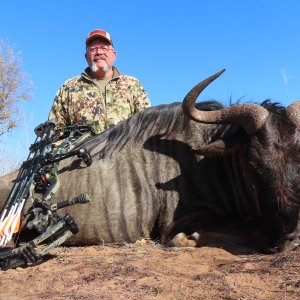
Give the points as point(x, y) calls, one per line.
point(98, 33)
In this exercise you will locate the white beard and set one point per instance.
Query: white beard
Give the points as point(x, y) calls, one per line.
point(106, 67)
point(95, 68)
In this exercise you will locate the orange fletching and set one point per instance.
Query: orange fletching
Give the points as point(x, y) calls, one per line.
point(18, 224)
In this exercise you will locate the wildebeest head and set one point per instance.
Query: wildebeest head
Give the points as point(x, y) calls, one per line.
point(267, 141)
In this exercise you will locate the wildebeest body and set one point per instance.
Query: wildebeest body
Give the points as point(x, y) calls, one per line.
point(147, 180)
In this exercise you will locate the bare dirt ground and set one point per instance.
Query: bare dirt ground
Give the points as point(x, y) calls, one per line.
point(145, 270)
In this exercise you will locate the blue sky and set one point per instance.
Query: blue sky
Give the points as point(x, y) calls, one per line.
point(168, 45)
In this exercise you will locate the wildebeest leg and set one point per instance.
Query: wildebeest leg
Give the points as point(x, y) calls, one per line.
point(235, 243)
point(291, 245)
point(291, 241)
point(202, 239)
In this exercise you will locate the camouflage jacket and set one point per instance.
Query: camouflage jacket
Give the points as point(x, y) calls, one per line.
point(80, 101)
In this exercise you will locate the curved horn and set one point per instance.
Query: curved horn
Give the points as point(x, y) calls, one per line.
point(251, 117)
point(293, 113)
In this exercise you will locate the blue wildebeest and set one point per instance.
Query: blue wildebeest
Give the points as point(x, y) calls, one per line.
point(191, 175)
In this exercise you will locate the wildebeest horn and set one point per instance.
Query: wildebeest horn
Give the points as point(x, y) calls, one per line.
point(251, 117)
point(293, 112)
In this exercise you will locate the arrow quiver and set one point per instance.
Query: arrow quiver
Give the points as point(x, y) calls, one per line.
point(38, 181)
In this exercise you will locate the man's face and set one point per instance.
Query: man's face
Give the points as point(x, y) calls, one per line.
point(100, 55)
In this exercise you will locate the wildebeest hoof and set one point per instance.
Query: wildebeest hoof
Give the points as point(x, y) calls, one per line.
point(195, 236)
point(291, 244)
point(181, 240)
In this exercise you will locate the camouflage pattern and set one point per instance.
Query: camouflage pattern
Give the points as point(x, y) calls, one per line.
point(81, 101)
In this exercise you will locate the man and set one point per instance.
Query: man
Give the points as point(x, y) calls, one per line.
point(101, 95)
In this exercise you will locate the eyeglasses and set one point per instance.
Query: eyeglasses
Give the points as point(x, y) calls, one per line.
point(104, 49)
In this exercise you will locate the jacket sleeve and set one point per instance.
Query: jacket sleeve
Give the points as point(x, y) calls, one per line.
point(141, 100)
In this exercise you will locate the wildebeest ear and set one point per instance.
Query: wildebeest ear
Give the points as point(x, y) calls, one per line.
point(217, 148)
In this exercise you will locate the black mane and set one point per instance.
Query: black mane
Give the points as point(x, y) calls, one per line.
point(273, 107)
